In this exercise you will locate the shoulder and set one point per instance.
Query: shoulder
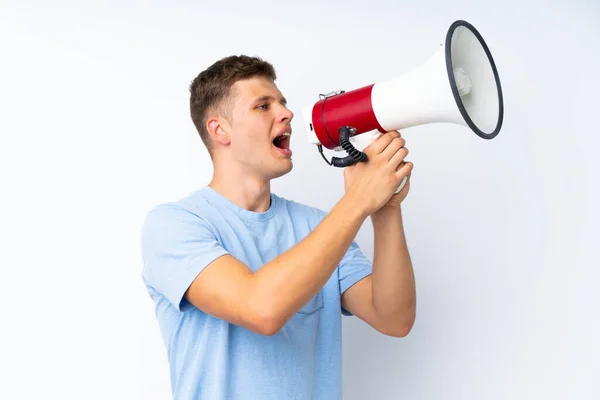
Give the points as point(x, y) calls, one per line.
point(185, 212)
point(197, 203)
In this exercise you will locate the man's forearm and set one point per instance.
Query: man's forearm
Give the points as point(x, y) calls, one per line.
point(394, 294)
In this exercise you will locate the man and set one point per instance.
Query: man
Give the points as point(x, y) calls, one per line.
point(249, 287)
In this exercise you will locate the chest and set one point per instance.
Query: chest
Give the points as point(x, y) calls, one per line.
point(258, 242)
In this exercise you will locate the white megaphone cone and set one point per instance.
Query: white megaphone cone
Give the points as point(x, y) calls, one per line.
point(459, 84)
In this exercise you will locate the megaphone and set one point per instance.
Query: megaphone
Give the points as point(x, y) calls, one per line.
point(459, 84)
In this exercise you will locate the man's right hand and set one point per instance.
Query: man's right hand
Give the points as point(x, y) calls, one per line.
point(372, 183)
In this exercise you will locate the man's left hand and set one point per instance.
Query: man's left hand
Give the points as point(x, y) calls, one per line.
point(397, 198)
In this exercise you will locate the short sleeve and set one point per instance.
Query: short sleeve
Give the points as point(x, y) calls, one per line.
point(353, 267)
point(176, 246)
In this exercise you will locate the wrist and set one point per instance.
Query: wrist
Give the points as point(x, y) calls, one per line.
point(355, 207)
point(387, 211)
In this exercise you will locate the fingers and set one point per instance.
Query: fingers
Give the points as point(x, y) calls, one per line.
point(382, 142)
point(404, 170)
point(396, 152)
point(391, 148)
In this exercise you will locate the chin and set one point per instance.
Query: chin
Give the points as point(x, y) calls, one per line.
point(281, 171)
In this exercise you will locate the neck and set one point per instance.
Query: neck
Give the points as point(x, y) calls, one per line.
point(249, 192)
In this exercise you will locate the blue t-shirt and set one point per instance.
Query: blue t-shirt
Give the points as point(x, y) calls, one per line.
point(212, 359)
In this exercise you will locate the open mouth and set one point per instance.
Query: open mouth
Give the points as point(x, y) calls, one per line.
point(282, 141)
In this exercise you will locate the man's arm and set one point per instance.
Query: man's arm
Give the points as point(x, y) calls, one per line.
point(386, 299)
point(263, 301)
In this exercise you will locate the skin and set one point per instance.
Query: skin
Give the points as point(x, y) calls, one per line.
point(245, 160)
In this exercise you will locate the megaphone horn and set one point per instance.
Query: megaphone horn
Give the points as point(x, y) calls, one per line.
point(458, 84)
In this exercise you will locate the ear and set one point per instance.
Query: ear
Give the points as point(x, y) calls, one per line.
point(218, 130)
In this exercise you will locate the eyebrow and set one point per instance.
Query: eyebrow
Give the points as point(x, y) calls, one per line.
point(270, 98)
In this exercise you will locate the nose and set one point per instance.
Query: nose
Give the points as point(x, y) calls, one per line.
point(286, 115)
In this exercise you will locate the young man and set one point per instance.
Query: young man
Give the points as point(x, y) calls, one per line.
point(249, 287)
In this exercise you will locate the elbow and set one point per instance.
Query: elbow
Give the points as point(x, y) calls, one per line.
point(399, 331)
point(267, 326)
point(265, 321)
point(270, 328)
point(400, 327)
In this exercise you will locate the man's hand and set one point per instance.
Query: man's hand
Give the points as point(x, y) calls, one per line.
point(375, 181)
point(396, 199)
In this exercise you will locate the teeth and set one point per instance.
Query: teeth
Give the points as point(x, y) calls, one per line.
point(283, 135)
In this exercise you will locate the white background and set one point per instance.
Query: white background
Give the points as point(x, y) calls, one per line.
point(95, 130)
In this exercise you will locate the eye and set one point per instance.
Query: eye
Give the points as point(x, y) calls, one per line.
point(263, 106)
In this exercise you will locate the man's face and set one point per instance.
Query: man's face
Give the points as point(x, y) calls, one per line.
point(258, 117)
